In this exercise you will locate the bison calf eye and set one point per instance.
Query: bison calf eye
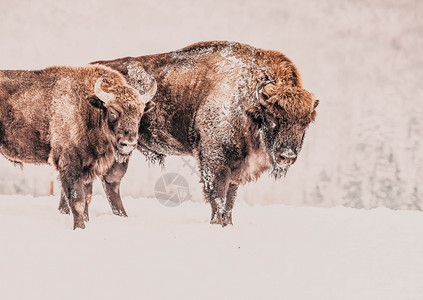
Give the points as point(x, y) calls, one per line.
point(113, 115)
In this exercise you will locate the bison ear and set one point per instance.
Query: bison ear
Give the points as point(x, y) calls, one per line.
point(255, 114)
point(314, 113)
point(149, 106)
point(96, 102)
point(265, 90)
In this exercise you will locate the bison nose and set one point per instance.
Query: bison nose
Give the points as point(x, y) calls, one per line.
point(286, 157)
point(127, 143)
point(126, 146)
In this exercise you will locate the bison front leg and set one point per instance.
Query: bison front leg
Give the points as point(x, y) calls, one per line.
point(64, 207)
point(215, 182)
point(112, 190)
point(74, 191)
point(70, 170)
point(111, 185)
point(230, 200)
point(64, 204)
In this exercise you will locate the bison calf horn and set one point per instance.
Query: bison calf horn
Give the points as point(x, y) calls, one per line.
point(102, 95)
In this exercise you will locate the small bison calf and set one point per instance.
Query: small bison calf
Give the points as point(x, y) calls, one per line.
point(79, 119)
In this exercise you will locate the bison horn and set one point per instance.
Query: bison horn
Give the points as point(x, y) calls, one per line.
point(102, 95)
point(147, 96)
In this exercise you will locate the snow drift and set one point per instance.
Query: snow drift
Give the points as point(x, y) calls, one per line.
point(160, 252)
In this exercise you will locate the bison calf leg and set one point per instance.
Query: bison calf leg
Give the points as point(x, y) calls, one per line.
point(88, 189)
point(230, 200)
point(73, 188)
point(64, 207)
point(111, 185)
point(112, 190)
point(76, 196)
point(64, 204)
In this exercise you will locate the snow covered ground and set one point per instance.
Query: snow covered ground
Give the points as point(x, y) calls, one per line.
point(159, 252)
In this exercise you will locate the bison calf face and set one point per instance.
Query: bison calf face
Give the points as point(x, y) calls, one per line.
point(123, 108)
point(283, 116)
point(125, 129)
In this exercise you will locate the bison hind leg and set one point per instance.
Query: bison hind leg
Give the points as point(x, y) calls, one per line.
point(88, 189)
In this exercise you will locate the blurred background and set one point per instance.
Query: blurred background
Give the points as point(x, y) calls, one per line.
point(362, 59)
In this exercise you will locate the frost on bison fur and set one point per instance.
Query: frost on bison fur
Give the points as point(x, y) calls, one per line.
point(239, 110)
point(79, 119)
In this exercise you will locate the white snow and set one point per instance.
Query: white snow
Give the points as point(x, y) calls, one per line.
point(272, 252)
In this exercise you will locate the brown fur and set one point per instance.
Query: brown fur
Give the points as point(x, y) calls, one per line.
point(297, 103)
point(239, 110)
point(54, 115)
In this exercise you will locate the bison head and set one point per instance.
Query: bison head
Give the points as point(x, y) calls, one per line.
point(282, 117)
point(123, 107)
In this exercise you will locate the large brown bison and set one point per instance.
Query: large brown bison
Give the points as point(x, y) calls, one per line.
point(239, 110)
point(79, 119)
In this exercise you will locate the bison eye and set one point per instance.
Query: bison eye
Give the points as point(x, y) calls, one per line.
point(113, 115)
point(271, 123)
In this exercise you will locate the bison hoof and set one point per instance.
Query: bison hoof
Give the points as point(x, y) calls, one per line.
point(223, 219)
point(120, 213)
point(64, 210)
point(86, 217)
point(227, 219)
point(216, 219)
point(78, 225)
point(224, 223)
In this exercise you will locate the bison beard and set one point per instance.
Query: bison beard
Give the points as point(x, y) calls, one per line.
point(121, 158)
point(230, 105)
point(278, 172)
